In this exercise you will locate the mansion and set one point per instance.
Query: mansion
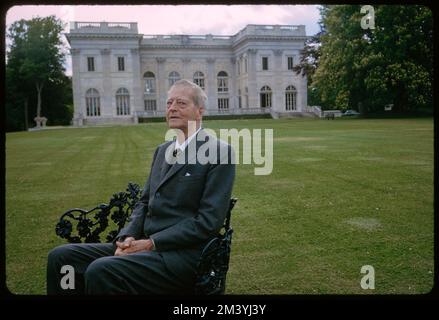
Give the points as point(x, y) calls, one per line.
point(121, 76)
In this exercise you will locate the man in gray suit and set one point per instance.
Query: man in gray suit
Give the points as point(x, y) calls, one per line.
point(183, 205)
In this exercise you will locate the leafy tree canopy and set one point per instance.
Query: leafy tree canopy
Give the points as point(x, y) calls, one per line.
point(353, 67)
point(35, 60)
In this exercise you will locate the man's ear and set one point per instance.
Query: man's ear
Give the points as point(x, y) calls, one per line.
point(200, 112)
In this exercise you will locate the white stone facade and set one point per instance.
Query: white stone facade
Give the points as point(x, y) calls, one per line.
point(114, 67)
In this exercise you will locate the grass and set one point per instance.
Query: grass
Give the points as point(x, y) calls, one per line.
point(342, 194)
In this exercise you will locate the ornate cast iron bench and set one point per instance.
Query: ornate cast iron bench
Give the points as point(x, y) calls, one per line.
point(87, 226)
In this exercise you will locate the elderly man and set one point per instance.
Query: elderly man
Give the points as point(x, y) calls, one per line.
point(182, 206)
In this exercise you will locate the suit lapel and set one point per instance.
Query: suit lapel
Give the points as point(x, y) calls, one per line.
point(176, 165)
point(167, 160)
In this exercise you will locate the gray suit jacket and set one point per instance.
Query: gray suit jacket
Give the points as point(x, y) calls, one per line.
point(185, 207)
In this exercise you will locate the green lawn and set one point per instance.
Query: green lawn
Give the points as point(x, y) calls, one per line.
point(342, 194)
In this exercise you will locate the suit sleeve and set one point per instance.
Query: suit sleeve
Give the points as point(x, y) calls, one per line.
point(212, 211)
point(135, 226)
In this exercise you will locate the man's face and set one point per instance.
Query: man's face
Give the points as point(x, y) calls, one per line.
point(180, 108)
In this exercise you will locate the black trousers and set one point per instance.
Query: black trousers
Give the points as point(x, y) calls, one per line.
point(98, 271)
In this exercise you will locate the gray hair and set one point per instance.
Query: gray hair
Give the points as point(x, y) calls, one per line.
point(199, 97)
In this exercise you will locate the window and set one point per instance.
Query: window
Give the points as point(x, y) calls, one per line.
point(122, 102)
point(93, 103)
point(199, 79)
point(265, 97)
point(245, 65)
point(290, 98)
point(290, 62)
point(239, 99)
point(264, 63)
point(246, 97)
point(173, 78)
point(90, 63)
point(121, 63)
point(223, 103)
point(238, 66)
point(150, 105)
point(149, 79)
point(222, 82)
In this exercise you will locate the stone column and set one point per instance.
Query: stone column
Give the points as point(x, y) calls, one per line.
point(107, 109)
point(278, 89)
point(233, 100)
point(162, 83)
point(79, 107)
point(211, 84)
point(253, 91)
point(240, 83)
point(137, 85)
point(186, 68)
point(302, 94)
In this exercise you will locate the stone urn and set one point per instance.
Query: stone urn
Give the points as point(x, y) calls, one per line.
point(40, 121)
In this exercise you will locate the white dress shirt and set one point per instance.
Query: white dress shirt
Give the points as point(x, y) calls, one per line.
point(186, 142)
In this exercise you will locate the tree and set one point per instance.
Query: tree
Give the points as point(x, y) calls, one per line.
point(309, 62)
point(15, 105)
point(392, 63)
point(34, 60)
point(309, 58)
point(58, 97)
point(402, 47)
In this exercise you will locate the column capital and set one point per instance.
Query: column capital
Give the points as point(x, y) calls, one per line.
point(134, 50)
point(160, 60)
point(278, 52)
point(105, 51)
point(252, 51)
point(185, 60)
point(184, 39)
point(233, 60)
point(74, 51)
point(210, 60)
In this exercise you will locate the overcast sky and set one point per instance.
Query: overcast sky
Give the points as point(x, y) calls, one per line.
point(183, 19)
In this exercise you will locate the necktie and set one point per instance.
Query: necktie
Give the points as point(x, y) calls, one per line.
point(176, 153)
point(168, 165)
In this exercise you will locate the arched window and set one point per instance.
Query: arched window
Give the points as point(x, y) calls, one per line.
point(199, 79)
point(239, 99)
point(150, 91)
point(93, 103)
point(122, 102)
point(149, 79)
point(265, 97)
point(173, 78)
point(222, 82)
point(290, 98)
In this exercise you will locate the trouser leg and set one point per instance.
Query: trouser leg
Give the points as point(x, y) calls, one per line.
point(79, 256)
point(137, 273)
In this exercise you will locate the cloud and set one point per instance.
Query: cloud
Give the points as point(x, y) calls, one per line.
point(177, 19)
point(173, 19)
point(224, 20)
